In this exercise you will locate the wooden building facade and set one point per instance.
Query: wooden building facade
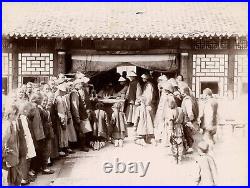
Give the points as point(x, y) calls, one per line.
point(215, 59)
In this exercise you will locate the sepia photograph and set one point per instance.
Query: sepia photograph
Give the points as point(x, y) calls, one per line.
point(124, 93)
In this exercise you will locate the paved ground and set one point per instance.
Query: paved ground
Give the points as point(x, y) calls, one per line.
point(87, 168)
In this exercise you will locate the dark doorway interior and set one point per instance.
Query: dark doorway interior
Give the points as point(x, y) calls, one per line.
point(214, 86)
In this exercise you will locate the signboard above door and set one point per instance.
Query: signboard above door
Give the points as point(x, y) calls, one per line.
point(122, 44)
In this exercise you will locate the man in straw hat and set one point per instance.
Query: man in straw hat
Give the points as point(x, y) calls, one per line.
point(79, 113)
point(133, 92)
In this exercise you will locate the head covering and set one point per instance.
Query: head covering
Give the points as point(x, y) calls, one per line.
point(35, 97)
point(173, 82)
point(21, 89)
point(208, 92)
point(168, 86)
point(62, 87)
point(81, 77)
point(203, 146)
point(61, 79)
point(162, 78)
point(53, 78)
point(145, 76)
point(131, 73)
point(29, 84)
point(121, 79)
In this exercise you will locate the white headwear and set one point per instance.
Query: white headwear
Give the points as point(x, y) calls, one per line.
point(62, 87)
point(145, 76)
point(162, 78)
point(121, 79)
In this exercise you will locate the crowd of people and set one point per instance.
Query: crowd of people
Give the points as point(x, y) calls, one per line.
point(47, 121)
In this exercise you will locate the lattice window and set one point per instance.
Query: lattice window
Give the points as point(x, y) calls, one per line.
point(240, 73)
point(34, 65)
point(206, 43)
point(210, 68)
point(7, 71)
point(241, 44)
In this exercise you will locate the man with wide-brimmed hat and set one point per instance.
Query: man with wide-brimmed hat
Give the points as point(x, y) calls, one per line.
point(79, 112)
point(133, 92)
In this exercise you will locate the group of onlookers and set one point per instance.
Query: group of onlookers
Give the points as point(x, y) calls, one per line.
point(44, 122)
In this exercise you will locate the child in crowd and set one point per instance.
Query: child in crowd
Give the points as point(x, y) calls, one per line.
point(100, 127)
point(174, 121)
point(118, 125)
point(206, 166)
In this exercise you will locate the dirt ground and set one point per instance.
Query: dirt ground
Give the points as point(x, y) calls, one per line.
point(82, 168)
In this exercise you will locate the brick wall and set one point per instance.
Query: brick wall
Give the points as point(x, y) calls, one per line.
point(210, 68)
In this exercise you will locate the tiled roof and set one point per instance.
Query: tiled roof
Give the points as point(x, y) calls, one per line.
point(124, 20)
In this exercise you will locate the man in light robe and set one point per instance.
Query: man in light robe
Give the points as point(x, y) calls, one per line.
point(149, 94)
point(133, 92)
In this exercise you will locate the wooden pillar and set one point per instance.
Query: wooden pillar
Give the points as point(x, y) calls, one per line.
point(186, 68)
point(231, 65)
point(61, 55)
point(14, 65)
point(61, 61)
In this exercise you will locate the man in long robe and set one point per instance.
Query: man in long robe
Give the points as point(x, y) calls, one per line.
point(149, 94)
point(133, 92)
point(80, 115)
